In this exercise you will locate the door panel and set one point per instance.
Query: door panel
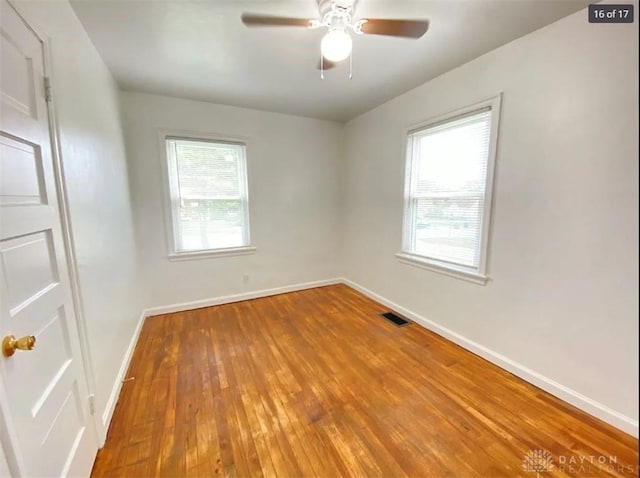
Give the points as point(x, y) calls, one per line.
point(29, 269)
point(22, 178)
point(17, 78)
point(43, 394)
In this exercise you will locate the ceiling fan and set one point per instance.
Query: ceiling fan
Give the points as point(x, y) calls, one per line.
point(337, 16)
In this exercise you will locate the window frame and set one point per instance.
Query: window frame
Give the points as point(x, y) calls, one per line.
point(477, 275)
point(170, 209)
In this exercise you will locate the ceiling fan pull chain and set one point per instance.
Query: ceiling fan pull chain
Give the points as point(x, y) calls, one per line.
point(351, 65)
point(321, 66)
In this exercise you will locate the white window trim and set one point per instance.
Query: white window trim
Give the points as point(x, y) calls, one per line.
point(451, 270)
point(405, 256)
point(209, 253)
point(170, 232)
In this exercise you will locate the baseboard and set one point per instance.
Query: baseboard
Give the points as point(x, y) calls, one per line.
point(117, 386)
point(227, 299)
point(584, 403)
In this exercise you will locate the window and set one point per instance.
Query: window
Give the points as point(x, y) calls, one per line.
point(448, 192)
point(208, 196)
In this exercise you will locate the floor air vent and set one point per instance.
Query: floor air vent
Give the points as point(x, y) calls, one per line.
point(395, 319)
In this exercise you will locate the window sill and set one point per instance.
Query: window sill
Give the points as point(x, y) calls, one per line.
point(212, 253)
point(451, 271)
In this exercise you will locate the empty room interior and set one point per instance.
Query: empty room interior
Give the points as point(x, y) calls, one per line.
point(318, 238)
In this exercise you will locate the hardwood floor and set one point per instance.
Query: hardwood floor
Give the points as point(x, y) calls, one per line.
point(314, 383)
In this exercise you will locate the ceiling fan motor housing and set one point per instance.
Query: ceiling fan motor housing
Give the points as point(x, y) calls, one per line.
point(325, 6)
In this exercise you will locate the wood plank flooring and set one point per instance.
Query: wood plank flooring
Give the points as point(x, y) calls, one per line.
point(315, 384)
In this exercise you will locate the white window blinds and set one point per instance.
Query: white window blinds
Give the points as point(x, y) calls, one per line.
point(447, 190)
point(209, 202)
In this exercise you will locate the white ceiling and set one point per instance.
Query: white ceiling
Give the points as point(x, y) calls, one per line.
point(201, 50)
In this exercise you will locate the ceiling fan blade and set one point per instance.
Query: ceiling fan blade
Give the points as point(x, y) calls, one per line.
point(395, 28)
point(252, 20)
point(327, 64)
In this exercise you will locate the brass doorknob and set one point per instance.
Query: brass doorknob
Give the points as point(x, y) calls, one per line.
point(10, 344)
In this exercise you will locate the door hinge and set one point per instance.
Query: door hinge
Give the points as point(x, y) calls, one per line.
point(47, 89)
point(92, 404)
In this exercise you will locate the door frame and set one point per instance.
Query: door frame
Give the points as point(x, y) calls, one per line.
point(98, 429)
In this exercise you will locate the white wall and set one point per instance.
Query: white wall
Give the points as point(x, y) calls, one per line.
point(294, 198)
point(4, 467)
point(563, 295)
point(93, 154)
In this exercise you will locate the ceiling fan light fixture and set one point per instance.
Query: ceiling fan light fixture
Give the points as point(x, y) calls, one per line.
point(336, 45)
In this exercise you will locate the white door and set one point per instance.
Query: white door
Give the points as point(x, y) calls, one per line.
point(44, 423)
